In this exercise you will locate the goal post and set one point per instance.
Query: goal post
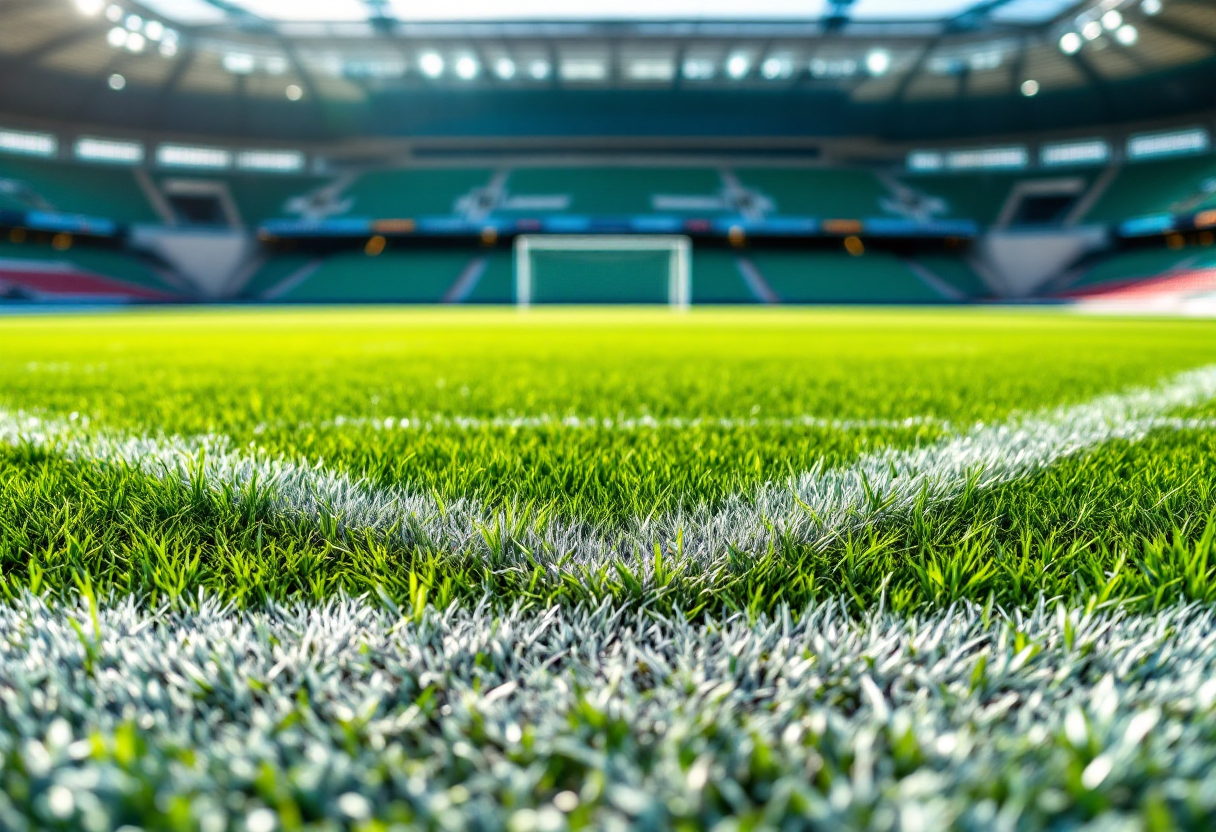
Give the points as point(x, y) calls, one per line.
point(593, 261)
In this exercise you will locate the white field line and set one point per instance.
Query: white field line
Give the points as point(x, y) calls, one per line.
point(816, 507)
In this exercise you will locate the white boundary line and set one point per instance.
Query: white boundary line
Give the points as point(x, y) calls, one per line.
point(818, 506)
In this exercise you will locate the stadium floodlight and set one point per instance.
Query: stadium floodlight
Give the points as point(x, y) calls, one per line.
point(1030, 88)
point(136, 42)
point(650, 69)
point(91, 149)
point(1112, 20)
point(539, 70)
point(698, 69)
point(553, 268)
point(878, 61)
point(117, 37)
point(28, 144)
point(114, 14)
point(294, 92)
point(467, 67)
point(185, 156)
point(1092, 30)
point(90, 8)
point(1127, 35)
point(168, 48)
point(154, 30)
point(1070, 43)
point(504, 68)
point(777, 67)
point(1151, 7)
point(117, 82)
point(1172, 143)
point(738, 65)
point(271, 161)
point(134, 23)
point(239, 63)
point(1086, 152)
point(431, 64)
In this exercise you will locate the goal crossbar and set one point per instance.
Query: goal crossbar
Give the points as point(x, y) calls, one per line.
point(679, 248)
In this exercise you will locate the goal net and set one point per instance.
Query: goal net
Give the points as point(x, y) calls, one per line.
point(603, 269)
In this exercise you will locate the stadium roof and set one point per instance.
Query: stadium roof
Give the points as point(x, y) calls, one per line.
point(319, 70)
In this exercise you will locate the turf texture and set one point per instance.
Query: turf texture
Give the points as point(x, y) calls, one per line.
point(377, 569)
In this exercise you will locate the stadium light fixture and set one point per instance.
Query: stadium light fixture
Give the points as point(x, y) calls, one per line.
point(698, 69)
point(1112, 20)
point(117, 37)
point(1070, 43)
point(154, 30)
point(114, 14)
point(136, 42)
point(1092, 30)
point(650, 69)
point(1128, 35)
point(271, 161)
point(878, 61)
point(168, 48)
point(117, 82)
point(431, 64)
point(1151, 7)
point(738, 65)
point(134, 23)
point(28, 144)
point(1030, 88)
point(467, 67)
point(539, 70)
point(90, 8)
point(504, 68)
point(777, 67)
point(107, 150)
point(185, 156)
point(294, 92)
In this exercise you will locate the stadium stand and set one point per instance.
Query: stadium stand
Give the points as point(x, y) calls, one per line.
point(975, 196)
point(818, 192)
point(82, 271)
point(496, 282)
point(619, 191)
point(93, 190)
point(257, 197)
point(1165, 186)
point(955, 271)
point(270, 276)
point(392, 277)
point(413, 192)
point(716, 278)
point(836, 277)
point(1140, 264)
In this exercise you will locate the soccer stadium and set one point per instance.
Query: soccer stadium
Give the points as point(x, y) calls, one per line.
point(669, 415)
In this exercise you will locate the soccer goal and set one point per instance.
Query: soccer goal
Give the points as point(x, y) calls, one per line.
point(603, 269)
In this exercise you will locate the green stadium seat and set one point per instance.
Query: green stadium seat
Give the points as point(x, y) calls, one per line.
point(836, 277)
point(115, 264)
point(95, 190)
point(716, 278)
point(387, 194)
point(497, 283)
point(1133, 265)
point(954, 270)
point(814, 192)
point(272, 273)
point(972, 196)
point(1166, 186)
point(616, 191)
point(392, 277)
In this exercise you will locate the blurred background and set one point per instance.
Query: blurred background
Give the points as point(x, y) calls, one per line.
point(671, 151)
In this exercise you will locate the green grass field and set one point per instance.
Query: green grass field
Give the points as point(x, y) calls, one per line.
point(372, 569)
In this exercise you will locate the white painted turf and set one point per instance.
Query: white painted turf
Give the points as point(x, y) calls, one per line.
point(817, 507)
point(949, 719)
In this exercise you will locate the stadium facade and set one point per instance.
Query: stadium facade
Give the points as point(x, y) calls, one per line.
point(370, 151)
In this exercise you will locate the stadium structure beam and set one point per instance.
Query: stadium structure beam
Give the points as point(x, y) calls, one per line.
point(1170, 28)
point(1098, 83)
point(61, 41)
point(184, 63)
